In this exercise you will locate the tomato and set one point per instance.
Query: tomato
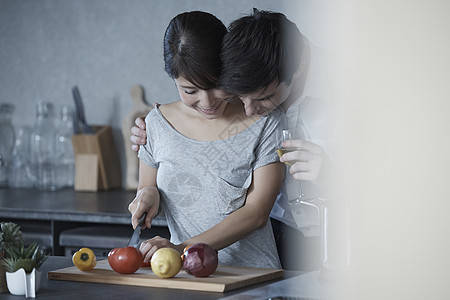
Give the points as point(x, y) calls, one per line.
point(125, 260)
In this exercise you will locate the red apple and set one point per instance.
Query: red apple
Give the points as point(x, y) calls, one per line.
point(200, 260)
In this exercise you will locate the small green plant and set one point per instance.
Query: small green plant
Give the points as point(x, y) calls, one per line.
point(27, 258)
point(16, 255)
point(10, 236)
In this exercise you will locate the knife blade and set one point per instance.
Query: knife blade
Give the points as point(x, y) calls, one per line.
point(135, 238)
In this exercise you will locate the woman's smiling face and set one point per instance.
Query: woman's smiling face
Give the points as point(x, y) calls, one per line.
point(208, 103)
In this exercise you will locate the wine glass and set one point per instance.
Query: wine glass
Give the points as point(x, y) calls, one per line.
point(306, 211)
point(330, 264)
point(294, 194)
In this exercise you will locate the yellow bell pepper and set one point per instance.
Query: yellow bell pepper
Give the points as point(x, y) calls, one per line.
point(84, 259)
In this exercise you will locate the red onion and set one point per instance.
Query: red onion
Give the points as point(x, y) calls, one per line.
point(200, 260)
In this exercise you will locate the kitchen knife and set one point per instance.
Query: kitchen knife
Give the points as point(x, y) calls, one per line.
point(135, 238)
point(79, 108)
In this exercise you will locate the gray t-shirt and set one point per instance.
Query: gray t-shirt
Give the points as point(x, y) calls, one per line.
point(202, 182)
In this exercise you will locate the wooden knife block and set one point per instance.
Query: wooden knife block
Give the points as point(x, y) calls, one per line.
point(97, 164)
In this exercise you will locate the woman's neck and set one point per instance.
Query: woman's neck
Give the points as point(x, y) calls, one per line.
point(190, 124)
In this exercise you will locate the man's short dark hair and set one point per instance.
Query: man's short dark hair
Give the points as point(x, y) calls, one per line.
point(259, 49)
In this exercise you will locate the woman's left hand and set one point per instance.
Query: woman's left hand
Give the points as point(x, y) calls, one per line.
point(308, 159)
point(149, 247)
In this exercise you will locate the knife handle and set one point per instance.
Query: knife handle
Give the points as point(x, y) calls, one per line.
point(141, 221)
point(79, 107)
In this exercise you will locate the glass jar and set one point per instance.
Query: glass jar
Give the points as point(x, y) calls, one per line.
point(6, 141)
point(65, 163)
point(20, 172)
point(43, 147)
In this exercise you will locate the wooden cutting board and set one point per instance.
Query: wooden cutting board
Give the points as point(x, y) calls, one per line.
point(225, 278)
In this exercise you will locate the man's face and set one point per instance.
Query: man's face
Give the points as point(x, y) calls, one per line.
point(264, 101)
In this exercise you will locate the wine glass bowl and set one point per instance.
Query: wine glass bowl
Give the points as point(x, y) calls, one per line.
point(284, 135)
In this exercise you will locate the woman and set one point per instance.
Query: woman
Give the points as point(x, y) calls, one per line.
point(213, 168)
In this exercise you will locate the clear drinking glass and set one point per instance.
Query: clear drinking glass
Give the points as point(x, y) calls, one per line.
point(20, 172)
point(65, 165)
point(43, 147)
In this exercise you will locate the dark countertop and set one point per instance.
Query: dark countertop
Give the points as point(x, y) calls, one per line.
point(295, 284)
point(108, 207)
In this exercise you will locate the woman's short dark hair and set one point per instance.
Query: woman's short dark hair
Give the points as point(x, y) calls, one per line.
point(192, 44)
point(259, 49)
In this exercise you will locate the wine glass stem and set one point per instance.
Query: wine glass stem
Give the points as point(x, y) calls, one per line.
point(300, 189)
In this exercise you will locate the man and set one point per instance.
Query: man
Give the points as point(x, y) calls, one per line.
point(268, 63)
